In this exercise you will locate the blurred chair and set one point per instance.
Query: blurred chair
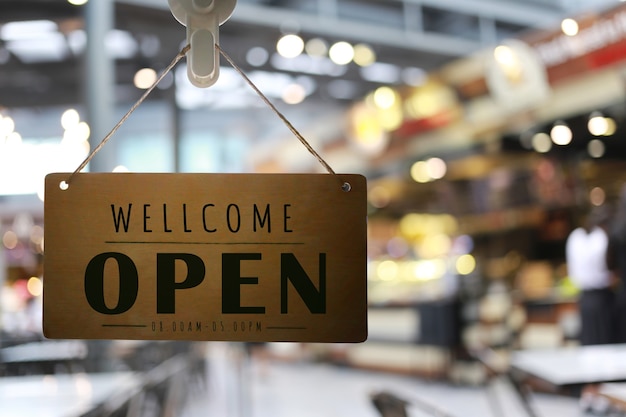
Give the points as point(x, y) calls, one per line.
point(390, 405)
point(507, 396)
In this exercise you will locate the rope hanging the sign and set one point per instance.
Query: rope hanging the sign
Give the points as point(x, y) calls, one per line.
point(172, 64)
point(345, 186)
point(306, 144)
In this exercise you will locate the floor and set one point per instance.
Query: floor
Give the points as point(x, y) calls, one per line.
point(241, 387)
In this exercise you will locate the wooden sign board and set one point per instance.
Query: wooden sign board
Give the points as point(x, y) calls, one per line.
point(238, 257)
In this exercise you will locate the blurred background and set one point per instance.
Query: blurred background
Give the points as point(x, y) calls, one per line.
point(482, 126)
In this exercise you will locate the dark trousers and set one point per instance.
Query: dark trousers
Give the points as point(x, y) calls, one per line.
point(597, 317)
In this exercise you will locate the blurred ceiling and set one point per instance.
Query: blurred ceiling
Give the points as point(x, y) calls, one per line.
point(42, 64)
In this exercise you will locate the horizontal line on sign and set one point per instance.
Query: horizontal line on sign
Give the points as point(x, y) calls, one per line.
point(141, 242)
point(286, 328)
point(124, 325)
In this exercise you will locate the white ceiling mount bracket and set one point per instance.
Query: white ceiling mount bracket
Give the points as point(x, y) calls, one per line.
point(202, 19)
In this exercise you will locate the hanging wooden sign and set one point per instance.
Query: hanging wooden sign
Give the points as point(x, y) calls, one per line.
point(238, 257)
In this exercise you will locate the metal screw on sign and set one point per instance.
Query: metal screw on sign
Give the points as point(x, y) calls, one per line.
point(202, 19)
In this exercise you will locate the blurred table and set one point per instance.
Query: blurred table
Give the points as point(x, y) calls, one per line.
point(573, 366)
point(64, 395)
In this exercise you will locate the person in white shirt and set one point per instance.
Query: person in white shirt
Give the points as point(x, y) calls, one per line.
point(585, 254)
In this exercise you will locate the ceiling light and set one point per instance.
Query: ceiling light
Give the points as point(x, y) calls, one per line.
point(561, 134)
point(341, 53)
point(290, 46)
point(384, 98)
point(597, 124)
point(541, 142)
point(364, 55)
point(504, 55)
point(69, 119)
point(596, 148)
point(509, 63)
point(316, 47)
point(612, 126)
point(77, 2)
point(569, 27)
point(145, 78)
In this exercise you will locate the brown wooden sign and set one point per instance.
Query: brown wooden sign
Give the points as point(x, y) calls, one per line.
point(242, 257)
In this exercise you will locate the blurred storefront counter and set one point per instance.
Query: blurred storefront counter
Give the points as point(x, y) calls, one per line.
point(43, 357)
point(66, 395)
point(75, 378)
point(435, 338)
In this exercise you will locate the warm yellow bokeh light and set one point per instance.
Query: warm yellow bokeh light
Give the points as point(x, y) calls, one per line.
point(419, 172)
point(597, 125)
point(435, 245)
point(509, 63)
point(465, 264)
point(428, 270)
point(34, 286)
point(379, 196)
point(385, 98)
point(364, 55)
point(387, 270)
point(504, 55)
